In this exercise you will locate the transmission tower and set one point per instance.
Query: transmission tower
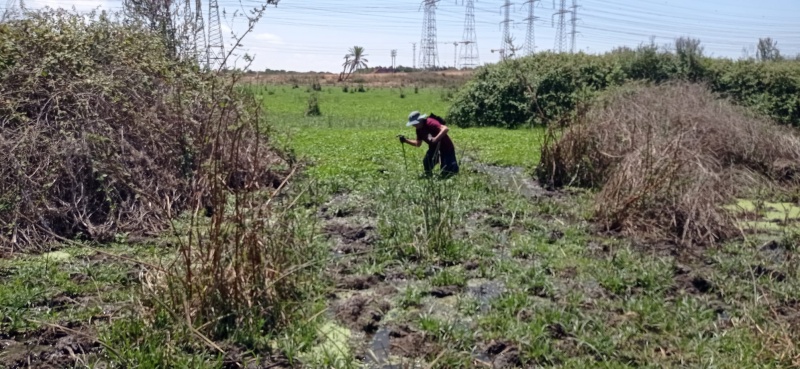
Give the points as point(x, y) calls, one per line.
point(530, 39)
point(215, 48)
point(429, 52)
point(561, 31)
point(574, 22)
point(506, 44)
point(469, 50)
point(199, 31)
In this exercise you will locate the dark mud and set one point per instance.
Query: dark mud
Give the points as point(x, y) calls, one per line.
point(49, 348)
point(362, 313)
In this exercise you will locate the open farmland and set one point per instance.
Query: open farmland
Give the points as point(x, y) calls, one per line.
point(489, 269)
point(486, 269)
point(608, 213)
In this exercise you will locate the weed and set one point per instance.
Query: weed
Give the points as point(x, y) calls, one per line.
point(450, 277)
point(312, 110)
point(412, 297)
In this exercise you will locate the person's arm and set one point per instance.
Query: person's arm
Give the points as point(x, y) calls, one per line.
point(415, 143)
point(442, 132)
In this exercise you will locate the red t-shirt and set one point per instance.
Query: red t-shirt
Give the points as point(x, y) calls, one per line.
point(429, 129)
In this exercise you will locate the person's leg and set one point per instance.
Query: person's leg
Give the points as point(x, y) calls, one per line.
point(429, 161)
point(449, 163)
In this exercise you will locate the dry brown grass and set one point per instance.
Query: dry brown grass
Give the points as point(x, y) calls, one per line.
point(666, 158)
point(110, 140)
point(420, 79)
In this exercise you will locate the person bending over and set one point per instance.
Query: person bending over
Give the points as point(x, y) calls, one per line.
point(441, 150)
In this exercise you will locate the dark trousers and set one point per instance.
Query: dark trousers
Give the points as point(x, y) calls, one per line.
point(447, 161)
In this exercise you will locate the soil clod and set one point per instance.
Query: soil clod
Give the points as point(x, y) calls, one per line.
point(359, 282)
point(440, 292)
point(362, 313)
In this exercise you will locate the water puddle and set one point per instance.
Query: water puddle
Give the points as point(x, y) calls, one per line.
point(379, 354)
point(764, 216)
point(485, 291)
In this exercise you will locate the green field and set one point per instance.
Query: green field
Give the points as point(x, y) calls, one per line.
point(355, 136)
point(485, 269)
point(491, 271)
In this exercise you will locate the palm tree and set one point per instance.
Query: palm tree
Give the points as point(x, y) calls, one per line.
point(345, 65)
point(357, 59)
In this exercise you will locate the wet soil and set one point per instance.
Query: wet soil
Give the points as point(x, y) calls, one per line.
point(52, 347)
point(362, 313)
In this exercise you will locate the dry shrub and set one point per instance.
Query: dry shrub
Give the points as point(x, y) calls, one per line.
point(666, 158)
point(101, 133)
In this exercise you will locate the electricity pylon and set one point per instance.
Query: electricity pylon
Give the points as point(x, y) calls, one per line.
point(215, 49)
point(429, 52)
point(470, 57)
point(530, 39)
point(561, 30)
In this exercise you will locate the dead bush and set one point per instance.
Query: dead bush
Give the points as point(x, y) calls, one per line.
point(666, 158)
point(101, 133)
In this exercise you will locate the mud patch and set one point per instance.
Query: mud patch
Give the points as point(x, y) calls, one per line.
point(485, 291)
point(407, 342)
point(692, 283)
point(775, 252)
point(763, 271)
point(359, 282)
point(48, 348)
point(362, 313)
point(351, 238)
point(440, 292)
point(503, 355)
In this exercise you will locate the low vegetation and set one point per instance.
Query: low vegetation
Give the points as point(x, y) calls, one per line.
point(551, 88)
point(312, 241)
point(667, 158)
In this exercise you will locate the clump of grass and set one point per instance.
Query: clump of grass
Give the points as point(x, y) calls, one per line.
point(361, 88)
point(345, 89)
point(667, 158)
point(313, 110)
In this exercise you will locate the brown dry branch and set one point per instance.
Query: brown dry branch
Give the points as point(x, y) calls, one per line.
point(103, 134)
point(666, 158)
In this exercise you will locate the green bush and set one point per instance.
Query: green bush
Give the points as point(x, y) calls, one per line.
point(499, 95)
point(547, 88)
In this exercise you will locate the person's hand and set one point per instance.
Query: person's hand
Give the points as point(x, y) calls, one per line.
point(402, 138)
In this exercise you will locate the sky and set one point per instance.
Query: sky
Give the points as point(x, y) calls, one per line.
point(314, 35)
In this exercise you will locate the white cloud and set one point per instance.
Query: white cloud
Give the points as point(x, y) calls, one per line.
point(269, 38)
